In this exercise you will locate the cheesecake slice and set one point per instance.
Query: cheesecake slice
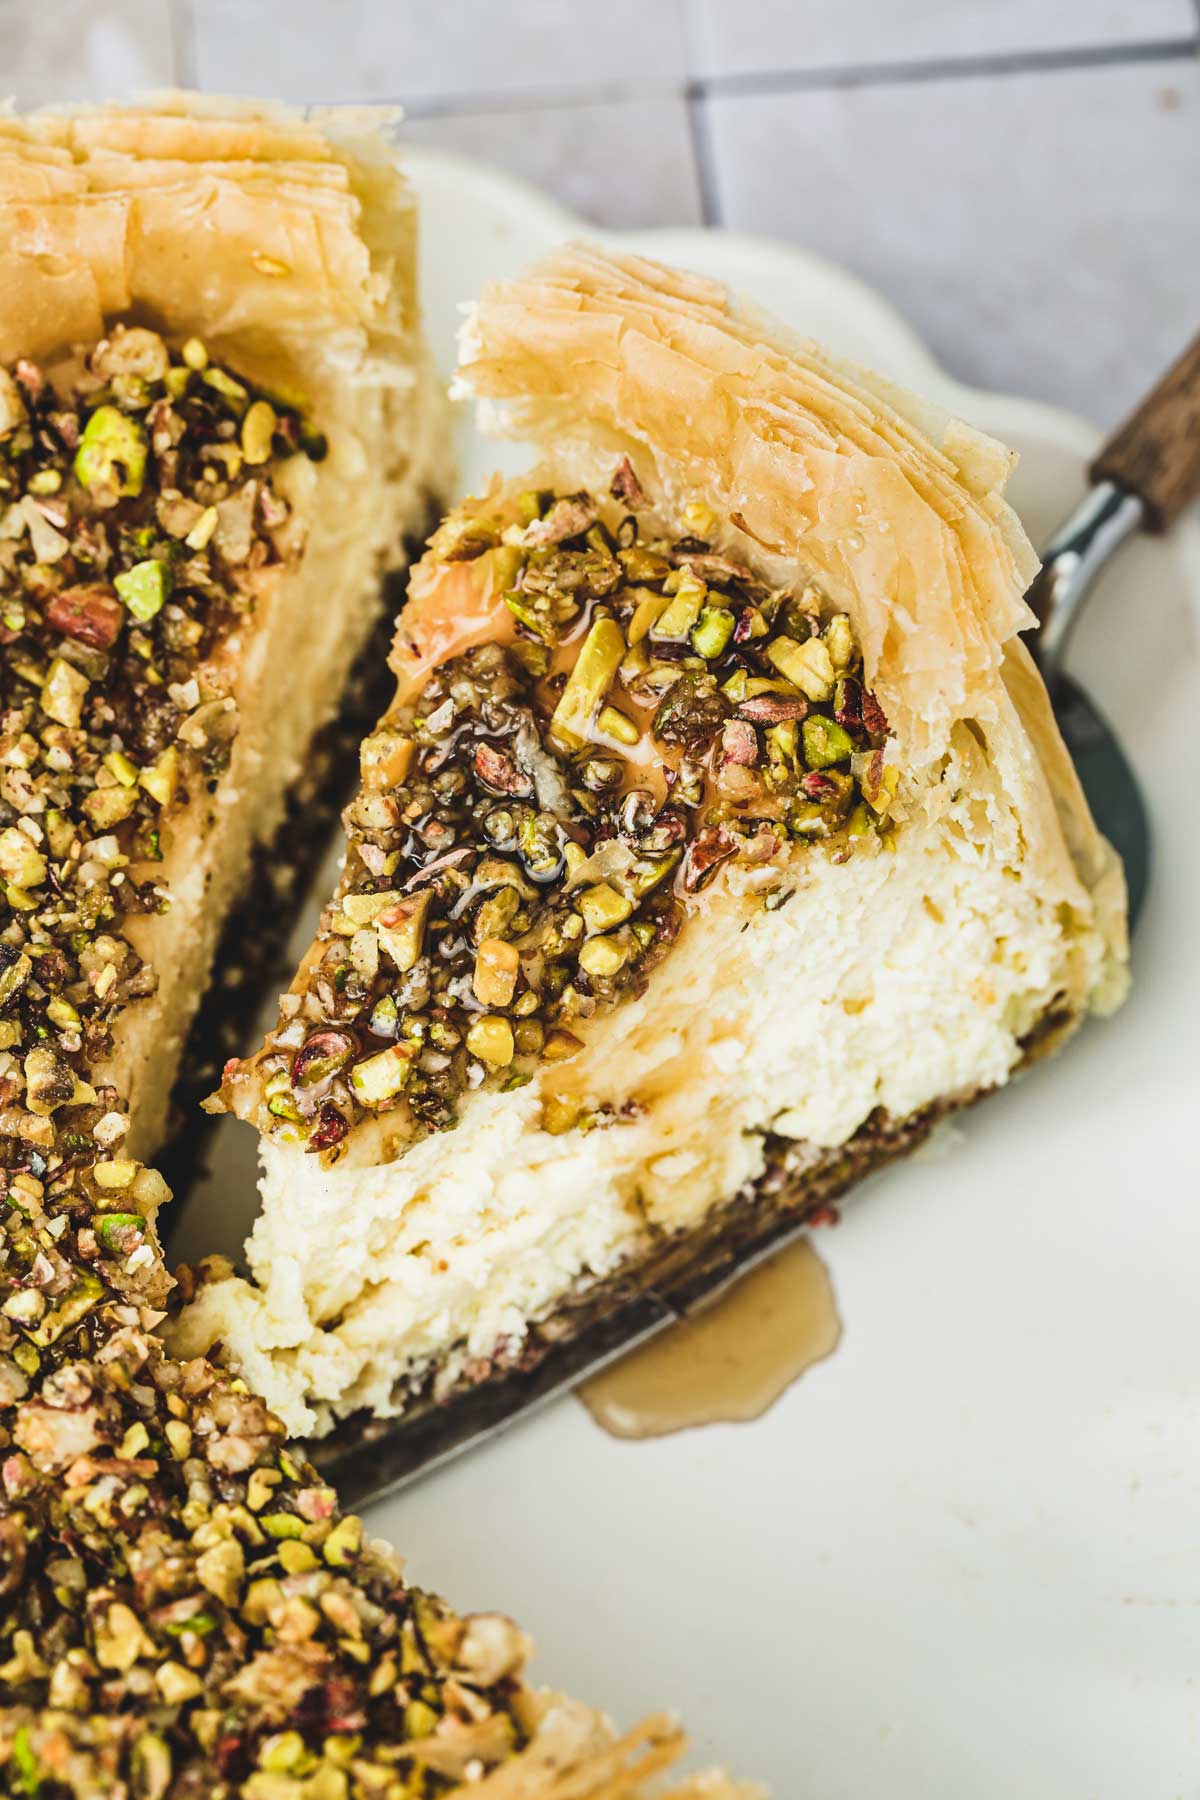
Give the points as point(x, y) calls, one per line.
point(217, 427)
point(718, 841)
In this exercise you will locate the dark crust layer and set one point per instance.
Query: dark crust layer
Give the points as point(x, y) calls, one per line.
point(367, 1457)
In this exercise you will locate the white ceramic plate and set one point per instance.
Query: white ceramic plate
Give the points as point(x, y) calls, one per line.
point(959, 1558)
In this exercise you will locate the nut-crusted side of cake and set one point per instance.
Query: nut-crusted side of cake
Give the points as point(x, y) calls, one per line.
point(302, 321)
point(187, 1612)
point(639, 883)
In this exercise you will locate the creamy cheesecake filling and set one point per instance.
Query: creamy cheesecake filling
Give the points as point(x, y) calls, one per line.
point(637, 890)
point(910, 978)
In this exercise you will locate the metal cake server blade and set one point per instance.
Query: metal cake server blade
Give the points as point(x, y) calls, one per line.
point(1144, 477)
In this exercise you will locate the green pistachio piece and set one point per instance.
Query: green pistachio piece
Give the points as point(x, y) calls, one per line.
point(113, 1227)
point(581, 699)
point(615, 724)
point(825, 742)
point(808, 665)
point(603, 907)
point(112, 453)
point(713, 631)
point(224, 384)
point(839, 641)
point(144, 588)
point(676, 622)
point(379, 1078)
point(63, 693)
point(533, 504)
point(106, 807)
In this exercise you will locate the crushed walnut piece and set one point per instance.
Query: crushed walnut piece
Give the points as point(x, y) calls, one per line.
point(533, 833)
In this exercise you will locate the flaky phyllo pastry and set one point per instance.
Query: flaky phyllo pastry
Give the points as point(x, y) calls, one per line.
point(216, 426)
point(220, 425)
point(719, 840)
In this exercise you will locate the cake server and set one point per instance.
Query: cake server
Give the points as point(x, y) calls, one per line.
point(1142, 479)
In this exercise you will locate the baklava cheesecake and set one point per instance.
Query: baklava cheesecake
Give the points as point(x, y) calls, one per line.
point(217, 428)
point(718, 841)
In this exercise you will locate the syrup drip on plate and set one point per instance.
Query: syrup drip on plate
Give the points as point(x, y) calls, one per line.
point(729, 1361)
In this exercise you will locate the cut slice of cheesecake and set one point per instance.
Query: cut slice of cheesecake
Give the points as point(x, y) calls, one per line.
point(718, 841)
point(217, 426)
point(184, 1609)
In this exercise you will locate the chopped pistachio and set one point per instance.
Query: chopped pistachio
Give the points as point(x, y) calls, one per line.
point(381, 1077)
point(677, 620)
point(880, 792)
point(200, 536)
point(385, 759)
point(258, 429)
point(116, 1173)
point(402, 929)
point(63, 693)
point(839, 641)
point(106, 807)
point(603, 907)
point(125, 771)
point(613, 723)
point(20, 860)
point(161, 779)
point(587, 684)
point(602, 957)
point(649, 609)
point(713, 631)
point(491, 1040)
point(221, 382)
point(699, 519)
point(112, 453)
point(497, 965)
point(825, 743)
point(808, 665)
point(194, 354)
point(144, 588)
point(361, 909)
point(344, 1542)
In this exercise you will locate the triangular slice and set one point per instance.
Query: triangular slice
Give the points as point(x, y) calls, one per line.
point(196, 508)
point(184, 1610)
point(719, 840)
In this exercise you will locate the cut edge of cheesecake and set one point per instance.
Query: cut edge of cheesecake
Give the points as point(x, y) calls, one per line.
point(283, 249)
point(185, 1605)
point(823, 998)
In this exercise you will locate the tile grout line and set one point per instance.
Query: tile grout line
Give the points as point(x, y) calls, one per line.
point(765, 81)
point(181, 27)
point(932, 69)
point(704, 159)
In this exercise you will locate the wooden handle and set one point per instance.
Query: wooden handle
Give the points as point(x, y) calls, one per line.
point(1155, 454)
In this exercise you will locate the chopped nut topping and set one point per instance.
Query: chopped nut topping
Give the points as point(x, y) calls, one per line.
point(533, 831)
point(110, 633)
point(186, 1611)
point(120, 1472)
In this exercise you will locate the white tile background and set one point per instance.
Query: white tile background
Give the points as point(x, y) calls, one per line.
point(1019, 177)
